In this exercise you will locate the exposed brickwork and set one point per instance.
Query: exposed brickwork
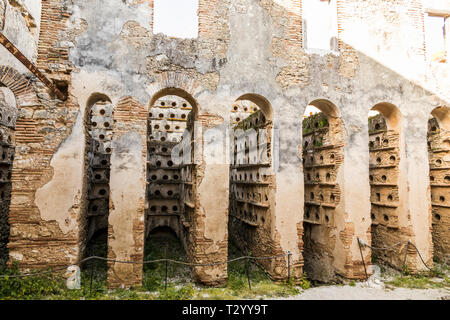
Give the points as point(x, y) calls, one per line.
point(33, 241)
point(53, 54)
point(190, 69)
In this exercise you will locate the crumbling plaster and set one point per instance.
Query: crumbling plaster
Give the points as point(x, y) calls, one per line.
point(112, 61)
point(22, 21)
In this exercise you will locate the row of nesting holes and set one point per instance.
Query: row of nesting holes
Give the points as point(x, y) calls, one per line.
point(172, 116)
point(385, 217)
point(246, 109)
point(378, 141)
point(166, 127)
point(441, 198)
point(251, 216)
point(312, 196)
point(446, 179)
point(174, 104)
point(163, 208)
point(170, 193)
point(163, 139)
point(250, 196)
point(169, 163)
point(327, 177)
point(392, 159)
point(383, 178)
point(165, 177)
point(321, 159)
point(389, 197)
point(316, 215)
point(243, 177)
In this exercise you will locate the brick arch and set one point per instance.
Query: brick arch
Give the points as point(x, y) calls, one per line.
point(19, 85)
point(179, 81)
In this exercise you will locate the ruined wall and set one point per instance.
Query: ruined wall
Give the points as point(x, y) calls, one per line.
point(439, 148)
point(244, 46)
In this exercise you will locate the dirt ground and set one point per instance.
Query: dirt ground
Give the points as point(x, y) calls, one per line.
point(362, 292)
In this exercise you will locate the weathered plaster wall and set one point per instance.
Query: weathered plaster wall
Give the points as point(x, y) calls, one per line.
point(127, 194)
point(20, 22)
point(244, 46)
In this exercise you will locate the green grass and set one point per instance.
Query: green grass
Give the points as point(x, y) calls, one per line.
point(180, 285)
point(419, 282)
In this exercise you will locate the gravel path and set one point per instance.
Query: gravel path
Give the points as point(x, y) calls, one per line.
point(361, 292)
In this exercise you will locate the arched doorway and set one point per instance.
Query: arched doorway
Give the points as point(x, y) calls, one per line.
point(439, 155)
point(8, 116)
point(99, 125)
point(170, 171)
point(252, 182)
point(384, 168)
point(323, 142)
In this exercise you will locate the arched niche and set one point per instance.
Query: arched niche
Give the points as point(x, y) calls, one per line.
point(323, 142)
point(175, 92)
point(442, 115)
point(8, 116)
point(439, 161)
point(391, 114)
point(252, 182)
point(384, 177)
point(98, 126)
point(170, 180)
point(262, 103)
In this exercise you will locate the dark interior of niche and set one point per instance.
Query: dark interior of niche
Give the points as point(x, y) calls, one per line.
point(62, 86)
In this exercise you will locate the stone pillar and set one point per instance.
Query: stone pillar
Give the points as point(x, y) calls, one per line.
point(354, 209)
point(127, 198)
point(210, 228)
point(418, 218)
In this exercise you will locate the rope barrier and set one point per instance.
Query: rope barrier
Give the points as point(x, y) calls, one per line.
point(148, 262)
point(408, 243)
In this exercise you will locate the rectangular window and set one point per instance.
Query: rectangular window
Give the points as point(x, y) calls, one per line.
point(320, 25)
point(435, 37)
point(176, 18)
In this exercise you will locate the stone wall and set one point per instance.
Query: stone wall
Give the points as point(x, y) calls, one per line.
point(245, 48)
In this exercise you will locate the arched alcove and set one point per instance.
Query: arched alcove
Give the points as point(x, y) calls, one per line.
point(98, 124)
point(252, 182)
point(8, 116)
point(439, 157)
point(323, 142)
point(170, 172)
point(384, 174)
